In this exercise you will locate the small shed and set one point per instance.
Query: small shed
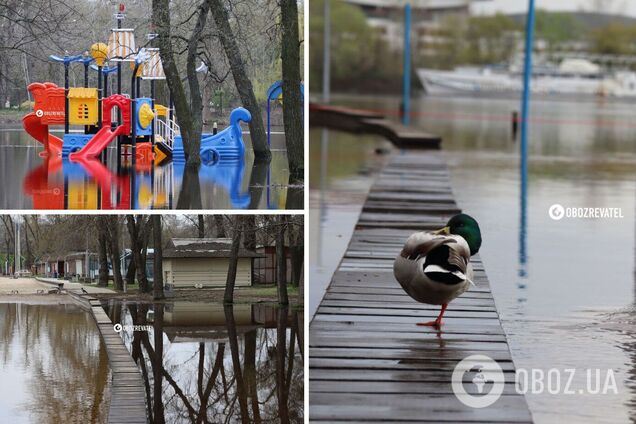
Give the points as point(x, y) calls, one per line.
point(188, 262)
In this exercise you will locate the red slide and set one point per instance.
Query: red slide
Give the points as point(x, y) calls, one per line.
point(36, 129)
point(98, 143)
point(105, 135)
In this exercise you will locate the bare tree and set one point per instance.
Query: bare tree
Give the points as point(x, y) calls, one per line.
point(228, 297)
point(102, 249)
point(189, 111)
point(281, 271)
point(241, 80)
point(201, 226)
point(292, 113)
point(112, 226)
point(158, 257)
point(139, 228)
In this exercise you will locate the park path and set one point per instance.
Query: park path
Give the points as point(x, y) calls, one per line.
point(368, 361)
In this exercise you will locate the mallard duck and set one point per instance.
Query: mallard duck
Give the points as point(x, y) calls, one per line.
point(434, 267)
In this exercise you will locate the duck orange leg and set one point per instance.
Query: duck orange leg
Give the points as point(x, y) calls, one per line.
point(438, 321)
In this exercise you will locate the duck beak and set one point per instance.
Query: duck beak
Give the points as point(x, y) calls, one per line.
point(442, 231)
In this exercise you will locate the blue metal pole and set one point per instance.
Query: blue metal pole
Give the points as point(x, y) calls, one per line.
point(525, 109)
point(527, 74)
point(269, 129)
point(406, 81)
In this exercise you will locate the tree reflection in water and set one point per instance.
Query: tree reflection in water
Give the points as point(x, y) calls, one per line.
point(53, 366)
point(205, 363)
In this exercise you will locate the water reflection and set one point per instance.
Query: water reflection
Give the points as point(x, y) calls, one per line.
point(53, 366)
point(53, 183)
point(208, 363)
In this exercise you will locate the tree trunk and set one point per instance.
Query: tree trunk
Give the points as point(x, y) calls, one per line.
point(241, 81)
point(249, 241)
point(187, 118)
point(292, 112)
point(228, 297)
point(102, 238)
point(115, 253)
point(138, 242)
point(281, 269)
point(220, 226)
point(158, 265)
point(201, 226)
point(297, 249)
point(131, 271)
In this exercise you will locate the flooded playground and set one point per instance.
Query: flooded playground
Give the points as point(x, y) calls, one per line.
point(35, 182)
point(556, 313)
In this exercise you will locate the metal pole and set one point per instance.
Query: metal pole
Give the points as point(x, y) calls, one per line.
point(152, 104)
point(406, 73)
point(18, 248)
point(86, 74)
point(525, 101)
point(133, 118)
point(100, 93)
point(525, 109)
point(269, 127)
point(326, 53)
point(66, 106)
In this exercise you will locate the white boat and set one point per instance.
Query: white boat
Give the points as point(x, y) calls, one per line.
point(572, 78)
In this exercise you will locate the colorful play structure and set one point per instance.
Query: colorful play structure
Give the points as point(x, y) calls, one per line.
point(141, 128)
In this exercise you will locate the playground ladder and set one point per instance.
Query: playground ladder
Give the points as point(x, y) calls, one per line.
point(167, 129)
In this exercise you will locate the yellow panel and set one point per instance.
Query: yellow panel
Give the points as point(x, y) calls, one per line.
point(82, 106)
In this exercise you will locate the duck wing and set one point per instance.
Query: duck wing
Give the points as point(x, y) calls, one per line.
point(448, 261)
point(420, 244)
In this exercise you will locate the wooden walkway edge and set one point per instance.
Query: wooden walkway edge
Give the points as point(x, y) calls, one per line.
point(367, 359)
point(368, 122)
point(127, 399)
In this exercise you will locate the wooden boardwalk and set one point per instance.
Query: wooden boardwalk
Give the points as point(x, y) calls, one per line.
point(127, 399)
point(367, 360)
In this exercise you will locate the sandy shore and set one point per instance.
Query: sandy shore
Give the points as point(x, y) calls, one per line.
point(21, 285)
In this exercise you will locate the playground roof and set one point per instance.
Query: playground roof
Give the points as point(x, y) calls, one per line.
point(82, 93)
point(121, 45)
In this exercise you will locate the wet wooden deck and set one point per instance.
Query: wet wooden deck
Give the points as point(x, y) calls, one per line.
point(368, 360)
point(127, 399)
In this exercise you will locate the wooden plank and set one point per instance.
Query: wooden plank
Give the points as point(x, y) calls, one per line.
point(368, 360)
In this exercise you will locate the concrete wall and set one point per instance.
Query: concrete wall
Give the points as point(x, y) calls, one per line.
point(211, 272)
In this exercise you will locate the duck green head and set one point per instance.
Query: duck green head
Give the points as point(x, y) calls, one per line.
point(467, 227)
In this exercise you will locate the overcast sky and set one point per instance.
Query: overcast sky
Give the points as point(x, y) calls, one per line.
point(623, 7)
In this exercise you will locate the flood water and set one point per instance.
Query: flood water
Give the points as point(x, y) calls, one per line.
point(564, 289)
point(33, 182)
point(53, 366)
point(216, 364)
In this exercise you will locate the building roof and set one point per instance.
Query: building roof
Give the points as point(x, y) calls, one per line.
point(204, 248)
